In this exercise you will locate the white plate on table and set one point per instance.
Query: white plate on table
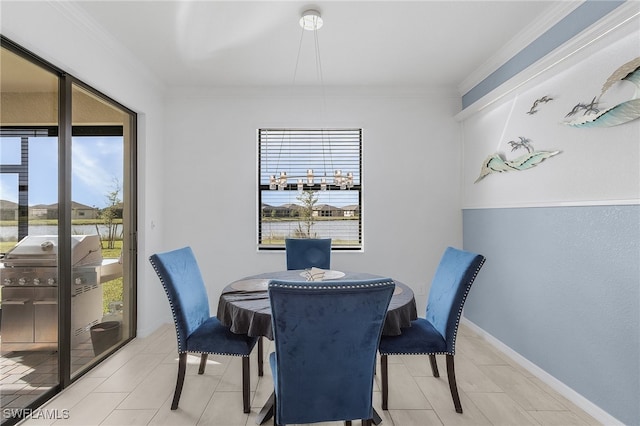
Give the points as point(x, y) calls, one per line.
point(328, 274)
point(256, 284)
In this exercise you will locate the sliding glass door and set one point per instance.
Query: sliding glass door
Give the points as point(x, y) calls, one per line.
point(101, 198)
point(29, 355)
point(67, 229)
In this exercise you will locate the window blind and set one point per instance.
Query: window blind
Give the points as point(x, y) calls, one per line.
point(307, 200)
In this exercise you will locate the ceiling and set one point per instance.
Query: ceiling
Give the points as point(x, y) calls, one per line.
point(362, 43)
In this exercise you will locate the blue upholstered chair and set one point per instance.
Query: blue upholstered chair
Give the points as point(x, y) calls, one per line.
point(326, 338)
point(436, 333)
point(196, 330)
point(303, 253)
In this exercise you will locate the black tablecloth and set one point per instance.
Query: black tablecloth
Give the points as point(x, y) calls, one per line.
point(244, 304)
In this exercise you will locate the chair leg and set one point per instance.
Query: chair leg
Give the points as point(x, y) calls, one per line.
point(347, 423)
point(246, 384)
point(434, 366)
point(260, 357)
point(275, 409)
point(385, 381)
point(451, 374)
point(182, 366)
point(203, 363)
point(367, 422)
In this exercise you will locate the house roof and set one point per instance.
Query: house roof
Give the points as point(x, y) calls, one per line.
point(325, 207)
point(74, 205)
point(8, 205)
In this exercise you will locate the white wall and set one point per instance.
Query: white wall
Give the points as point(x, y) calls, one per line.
point(60, 34)
point(411, 174)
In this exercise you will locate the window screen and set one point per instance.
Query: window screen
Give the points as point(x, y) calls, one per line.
point(309, 186)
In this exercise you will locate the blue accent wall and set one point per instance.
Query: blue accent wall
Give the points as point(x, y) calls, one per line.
point(561, 286)
point(571, 25)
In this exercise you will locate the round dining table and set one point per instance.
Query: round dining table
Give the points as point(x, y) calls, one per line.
point(244, 304)
point(244, 307)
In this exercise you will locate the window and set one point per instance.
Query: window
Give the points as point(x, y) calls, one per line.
point(309, 186)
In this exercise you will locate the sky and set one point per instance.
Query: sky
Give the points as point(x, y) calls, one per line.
point(97, 164)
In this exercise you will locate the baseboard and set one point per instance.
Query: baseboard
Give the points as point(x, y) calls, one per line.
point(145, 332)
point(583, 403)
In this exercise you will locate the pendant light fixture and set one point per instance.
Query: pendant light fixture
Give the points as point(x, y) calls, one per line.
point(311, 20)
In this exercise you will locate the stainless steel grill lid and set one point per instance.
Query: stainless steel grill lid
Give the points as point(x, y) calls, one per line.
point(42, 250)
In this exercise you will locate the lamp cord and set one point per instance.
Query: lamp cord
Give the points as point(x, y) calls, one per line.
point(295, 73)
point(324, 101)
point(324, 104)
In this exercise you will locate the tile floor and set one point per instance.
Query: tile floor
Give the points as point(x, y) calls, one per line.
point(25, 375)
point(135, 387)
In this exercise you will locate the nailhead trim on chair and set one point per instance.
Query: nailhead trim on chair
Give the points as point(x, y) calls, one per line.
point(213, 353)
point(175, 321)
point(455, 333)
point(311, 286)
point(415, 353)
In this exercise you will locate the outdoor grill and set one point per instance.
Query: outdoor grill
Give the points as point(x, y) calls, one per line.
point(29, 276)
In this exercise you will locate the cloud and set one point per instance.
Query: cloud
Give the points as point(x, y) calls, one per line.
point(96, 164)
point(8, 188)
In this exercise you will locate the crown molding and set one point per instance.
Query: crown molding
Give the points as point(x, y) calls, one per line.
point(92, 29)
point(623, 19)
point(524, 38)
point(329, 92)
